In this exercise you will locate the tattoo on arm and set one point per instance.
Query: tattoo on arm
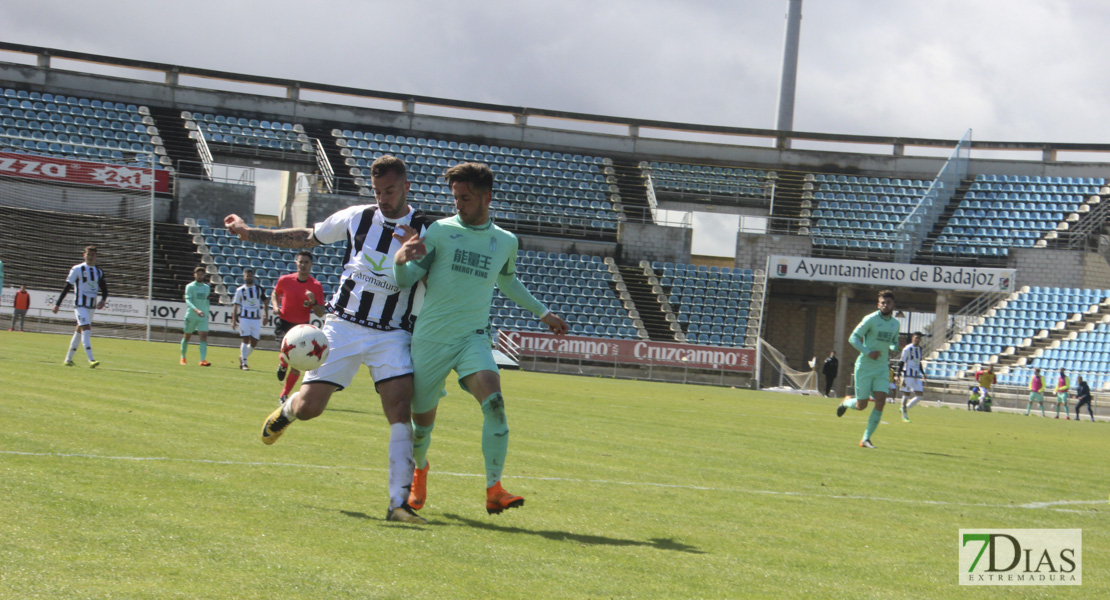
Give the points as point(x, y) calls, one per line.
point(284, 238)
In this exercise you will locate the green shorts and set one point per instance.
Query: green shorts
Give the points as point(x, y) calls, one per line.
point(433, 361)
point(194, 323)
point(871, 382)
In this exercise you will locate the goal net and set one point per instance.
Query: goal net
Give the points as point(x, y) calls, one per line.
point(52, 208)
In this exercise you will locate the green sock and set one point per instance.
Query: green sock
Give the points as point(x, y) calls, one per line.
point(203, 350)
point(184, 347)
point(421, 439)
point(872, 423)
point(495, 437)
point(1028, 409)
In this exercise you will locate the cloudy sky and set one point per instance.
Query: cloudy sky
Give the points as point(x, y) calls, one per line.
point(1028, 70)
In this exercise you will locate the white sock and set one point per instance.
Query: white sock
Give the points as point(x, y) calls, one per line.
point(401, 463)
point(248, 350)
point(244, 351)
point(913, 401)
point(86, 340)
point(287, 408)
point(73, 345)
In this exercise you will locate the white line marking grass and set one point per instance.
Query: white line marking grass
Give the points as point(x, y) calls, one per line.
point(1048, 505)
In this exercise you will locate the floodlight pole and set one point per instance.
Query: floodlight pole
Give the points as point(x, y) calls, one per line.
point(785, 119)
point(150, 251)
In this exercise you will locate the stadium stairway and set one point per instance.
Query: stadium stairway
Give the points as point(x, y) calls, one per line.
point(633, 191)
point(175, 256)
point(1018, 357)
point(942, 220)
point(175, 139)
point(788, 201)
point(646, 303)
point(344, 183)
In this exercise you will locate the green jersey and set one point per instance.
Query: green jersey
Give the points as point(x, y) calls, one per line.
point(196, 297)
point(463, 264)
point(875, 332)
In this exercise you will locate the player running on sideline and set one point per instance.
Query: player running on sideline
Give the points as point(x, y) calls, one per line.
point(913, 375)
point(1083, 396)
point(370, 320)
point(196, 315)
point(248, 310)
point(463, 257)
point(875, 337)
point(86, 280)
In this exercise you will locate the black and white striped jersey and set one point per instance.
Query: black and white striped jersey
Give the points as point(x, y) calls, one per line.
point(251, 299)
point(87, 282)
point(368, 293)
point(911, 362)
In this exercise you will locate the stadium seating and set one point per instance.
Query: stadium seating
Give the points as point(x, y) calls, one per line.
point(712, 305)
point(1021, 317)
point(1000, 212)
point(578, 288)
point(79, 128)
point(711, 180)
point(575, 287)
point(533, 188)
point(253, 133)
point(860, 214)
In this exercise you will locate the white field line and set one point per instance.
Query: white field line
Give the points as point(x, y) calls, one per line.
point(1048, 505)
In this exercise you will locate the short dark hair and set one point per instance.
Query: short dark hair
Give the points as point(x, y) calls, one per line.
point(916, 334)
point(307, 253)
point(201, 269)
point(887, 294)
point(90, 248)
point(386, 164)
point(248, 270)
point(478, 175)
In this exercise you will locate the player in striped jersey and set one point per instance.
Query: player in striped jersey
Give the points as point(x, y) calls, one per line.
point(248, 310)
point(370, 318)
point(86, 280)
point(913, 375)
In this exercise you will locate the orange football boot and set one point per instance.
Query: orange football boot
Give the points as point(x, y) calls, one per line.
point(497, 499)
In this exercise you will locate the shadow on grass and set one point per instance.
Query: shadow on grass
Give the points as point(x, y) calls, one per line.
point(362, 515)
point(596, 540)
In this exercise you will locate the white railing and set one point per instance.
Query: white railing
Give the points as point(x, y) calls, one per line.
point(205, 154)
point(324, 165)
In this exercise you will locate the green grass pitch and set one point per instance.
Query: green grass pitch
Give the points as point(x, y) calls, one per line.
point(147, 479)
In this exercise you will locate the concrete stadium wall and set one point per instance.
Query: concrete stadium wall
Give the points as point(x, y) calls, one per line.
point(802, 330)
point(213, 201)
point(1060, 268)
point(647, 241)
point(752, 249)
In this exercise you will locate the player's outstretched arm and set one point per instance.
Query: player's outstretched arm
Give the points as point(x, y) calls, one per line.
point(555, 323)
point(295, 238)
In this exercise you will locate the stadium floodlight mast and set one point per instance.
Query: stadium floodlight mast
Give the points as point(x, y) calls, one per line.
point(785, 119)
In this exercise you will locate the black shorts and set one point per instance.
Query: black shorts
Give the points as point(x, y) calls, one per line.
point(281, 327)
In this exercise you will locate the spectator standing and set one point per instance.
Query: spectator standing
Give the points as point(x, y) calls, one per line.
point(1083, 396)
point(1036, 392)
point(830, 369)
point(22, 303)
point(1063, 384)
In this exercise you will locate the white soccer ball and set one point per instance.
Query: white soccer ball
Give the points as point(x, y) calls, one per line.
point(304, 347)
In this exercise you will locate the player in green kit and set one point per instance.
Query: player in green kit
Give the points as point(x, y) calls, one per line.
point(463, 256)
point(196, 315)
point(875, 337)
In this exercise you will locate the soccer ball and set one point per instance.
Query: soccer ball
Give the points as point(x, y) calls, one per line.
point(304, 347)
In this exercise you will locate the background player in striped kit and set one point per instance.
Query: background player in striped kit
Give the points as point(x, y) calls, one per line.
point(197, 306)
point(913, 375)
point(369, 322)
point(248, 310)
point(86, 280)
